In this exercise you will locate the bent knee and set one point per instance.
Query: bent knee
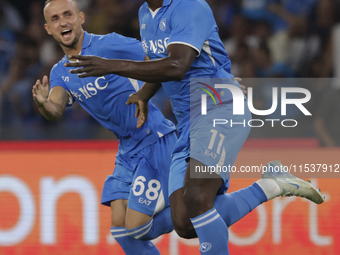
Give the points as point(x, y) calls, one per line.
point(139, 232)
point(132, 225)
point(184, 228)
point(194, 203)
point(186, 233)
point(135, 219)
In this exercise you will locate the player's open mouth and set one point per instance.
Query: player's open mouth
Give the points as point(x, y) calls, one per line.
point(66, 33)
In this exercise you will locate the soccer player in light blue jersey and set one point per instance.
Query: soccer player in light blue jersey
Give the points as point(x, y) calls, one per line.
point(181, 39)
point(137, 191)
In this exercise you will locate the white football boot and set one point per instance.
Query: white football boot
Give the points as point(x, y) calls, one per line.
point(291, 185)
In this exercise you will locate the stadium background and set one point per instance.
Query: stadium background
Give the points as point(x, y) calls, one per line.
point(51, 174)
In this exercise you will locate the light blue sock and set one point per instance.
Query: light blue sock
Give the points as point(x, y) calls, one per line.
point(236, 205)
point(212, 233)
point(132, 246)
point(160, 224)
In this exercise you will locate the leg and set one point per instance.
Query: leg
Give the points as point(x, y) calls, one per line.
point(199, 141)
point(211, 146)
point(129, 244)
point(144, 227)
point(179, 213)
point(205, 186)
point(277, 181)
point(180, 217)
point(148, 211)
point(118, 212)
point(242, 201)
point(199, 197)
point(116, 193)
point(122, 216)
point(135, 219)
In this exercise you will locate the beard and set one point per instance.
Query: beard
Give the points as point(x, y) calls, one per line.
point(71, 44)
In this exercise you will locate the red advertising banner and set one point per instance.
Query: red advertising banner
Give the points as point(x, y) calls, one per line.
point(50, 203)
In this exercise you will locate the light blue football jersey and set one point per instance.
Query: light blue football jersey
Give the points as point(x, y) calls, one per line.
point(104, 97)
point(188, 22)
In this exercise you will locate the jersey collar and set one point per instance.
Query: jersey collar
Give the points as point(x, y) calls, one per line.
point(87, 40)
point(166, 2)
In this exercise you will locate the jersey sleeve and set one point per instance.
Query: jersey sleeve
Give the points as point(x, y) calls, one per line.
point(121, 47)
point(141, 12)
point(192, 27)
point(56, 79)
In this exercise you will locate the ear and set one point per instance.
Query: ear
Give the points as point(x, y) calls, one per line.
point(82, 17)
point(47, 29)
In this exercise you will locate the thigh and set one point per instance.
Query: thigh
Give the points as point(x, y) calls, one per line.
point(200, 193)
point(179, 215)
point(146, 190)
point(118, 212)
point(180, 156)
point(118, 185)
point(122, 216)
point(135, 219)
point(217, 146)
point(149, 191)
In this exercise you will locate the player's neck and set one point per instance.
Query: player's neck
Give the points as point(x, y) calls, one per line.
point(154, 4)
point(76, 49)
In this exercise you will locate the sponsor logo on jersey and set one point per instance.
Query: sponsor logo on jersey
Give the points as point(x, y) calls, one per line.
point(156, 46)
point(90, 89)
point(76, 95)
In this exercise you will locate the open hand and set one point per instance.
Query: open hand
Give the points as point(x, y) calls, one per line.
point(40, 91)
point(141, 108)
point(89, 65)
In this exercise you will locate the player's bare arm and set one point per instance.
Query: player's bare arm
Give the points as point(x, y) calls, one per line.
point(52, 105)
point(180, 57)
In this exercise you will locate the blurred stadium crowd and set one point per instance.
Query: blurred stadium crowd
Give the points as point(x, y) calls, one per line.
point(264, 39)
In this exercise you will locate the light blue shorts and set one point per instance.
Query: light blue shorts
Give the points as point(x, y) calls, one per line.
point(142, 179)
point(212, 145)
